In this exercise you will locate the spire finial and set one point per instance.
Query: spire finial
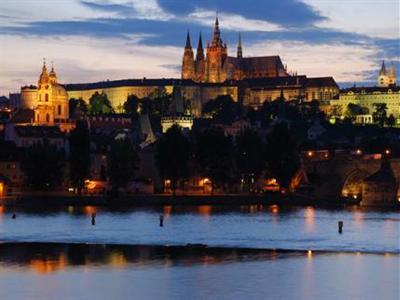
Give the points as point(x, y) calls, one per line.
point(239, 48)
point(188, 44)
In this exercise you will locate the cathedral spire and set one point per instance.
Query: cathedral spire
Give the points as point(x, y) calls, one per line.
point(217, 33)
point(383, 69)
point(200, 51)
point(239, 48)
point(188, 45)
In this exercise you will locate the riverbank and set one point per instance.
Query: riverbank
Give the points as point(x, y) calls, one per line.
point(165, 200)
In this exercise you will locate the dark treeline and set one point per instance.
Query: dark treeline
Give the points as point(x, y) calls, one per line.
point(227, 160)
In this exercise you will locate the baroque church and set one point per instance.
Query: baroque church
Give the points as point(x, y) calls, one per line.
point(217, 67)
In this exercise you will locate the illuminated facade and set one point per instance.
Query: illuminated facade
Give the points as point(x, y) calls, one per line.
point(49, 101)
point(386, 79)
point(210, 73)
point(216, 66)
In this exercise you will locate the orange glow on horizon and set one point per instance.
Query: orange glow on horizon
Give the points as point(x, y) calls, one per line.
point(46, 265)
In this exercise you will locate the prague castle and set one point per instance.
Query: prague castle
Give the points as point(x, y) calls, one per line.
point(217, 66)
point(249, 80)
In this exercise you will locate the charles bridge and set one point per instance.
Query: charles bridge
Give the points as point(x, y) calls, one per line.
point(342, 175)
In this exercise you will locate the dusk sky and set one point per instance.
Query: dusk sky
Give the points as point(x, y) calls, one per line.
point(95, 40)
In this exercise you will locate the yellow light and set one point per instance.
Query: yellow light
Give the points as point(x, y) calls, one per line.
point(310, 153)
point(387, 151)
point(355, 196)
point(309, 253)
point(359, 152)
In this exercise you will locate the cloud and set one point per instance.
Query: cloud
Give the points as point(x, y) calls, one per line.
point(376, 19)
point(231, 21)
point(88, 60)
point(343, 62)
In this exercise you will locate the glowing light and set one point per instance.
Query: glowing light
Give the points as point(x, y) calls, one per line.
point(310, 153)
point(387, 151)
point(358, 152)
point(355, 196)
point(274, 209)
point(309, 253)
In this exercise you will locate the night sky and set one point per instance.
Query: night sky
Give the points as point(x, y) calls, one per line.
point(95, 40)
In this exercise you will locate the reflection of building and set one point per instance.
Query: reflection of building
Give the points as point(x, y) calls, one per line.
point(178, 114)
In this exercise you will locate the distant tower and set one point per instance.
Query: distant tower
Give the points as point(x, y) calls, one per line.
point(188, 70)
point(216, 56)
point(392, 75)
point(383, 78)
point(200, 63)
point(239, 48)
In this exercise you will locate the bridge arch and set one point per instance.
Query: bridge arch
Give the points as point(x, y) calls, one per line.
point(352, 185)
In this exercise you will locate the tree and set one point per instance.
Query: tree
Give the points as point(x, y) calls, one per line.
point(223, 109)
point(77, 107)
point(43, 165)
point(99, 104)
point(281, 154)
point(249, 156)
point(391, 121)
point(214, 156)
point(122, 163)
point(173, 155)
point(131, 105)
point(379, 115)
point(353, 110)
point(79, 158)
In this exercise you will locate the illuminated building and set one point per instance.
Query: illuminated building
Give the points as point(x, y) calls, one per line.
point(386, 92)
point(249, 80)
point(48, 101)
point(178, 114)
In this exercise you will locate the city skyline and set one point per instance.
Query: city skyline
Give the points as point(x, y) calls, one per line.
point(99, 40)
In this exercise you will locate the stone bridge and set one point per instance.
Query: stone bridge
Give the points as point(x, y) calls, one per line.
point(334, 178)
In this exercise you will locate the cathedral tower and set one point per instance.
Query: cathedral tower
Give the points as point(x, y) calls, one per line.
point(392, 76)
point(200, 61)
point(188, 69)
point(239, 48)
point(383, 79)
point(216, 57)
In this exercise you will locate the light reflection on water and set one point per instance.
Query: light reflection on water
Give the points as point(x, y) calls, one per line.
point(254, 226)
point(81, 271)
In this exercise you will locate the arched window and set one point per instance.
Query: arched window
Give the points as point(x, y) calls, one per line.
point(47, 117)
point(46, 97)
point(59, 110)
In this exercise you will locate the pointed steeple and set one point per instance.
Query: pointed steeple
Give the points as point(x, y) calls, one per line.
point(383, 69)
point(239, 48)
point(217, 34)
point(188, 45)
point(44, 76)
point(391, 72)
point(52, 74)
point(200, 50)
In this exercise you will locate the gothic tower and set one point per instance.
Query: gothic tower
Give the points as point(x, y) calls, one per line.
point(216, 57)
point(392, 76)
point(239, 48)
point(200, 61)
point(188, 68)
point(383, 79)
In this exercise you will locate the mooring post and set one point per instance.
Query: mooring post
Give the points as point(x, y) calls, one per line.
point(161, 220)
point(93, 219)
point(340, 226)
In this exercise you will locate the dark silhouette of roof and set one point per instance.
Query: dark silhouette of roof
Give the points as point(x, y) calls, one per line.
point(22, 116)
point(32, 131)
point(371, 89)
point(384, 174)
point(321, 82)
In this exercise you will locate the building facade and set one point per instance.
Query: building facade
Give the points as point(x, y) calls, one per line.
point(48, 100)
point(216, 66)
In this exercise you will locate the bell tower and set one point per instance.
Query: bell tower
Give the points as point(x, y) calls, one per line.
point(188, 68)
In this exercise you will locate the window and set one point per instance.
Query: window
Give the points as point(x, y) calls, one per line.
point(59, 110)
point(47, 118)
point(47, 97)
